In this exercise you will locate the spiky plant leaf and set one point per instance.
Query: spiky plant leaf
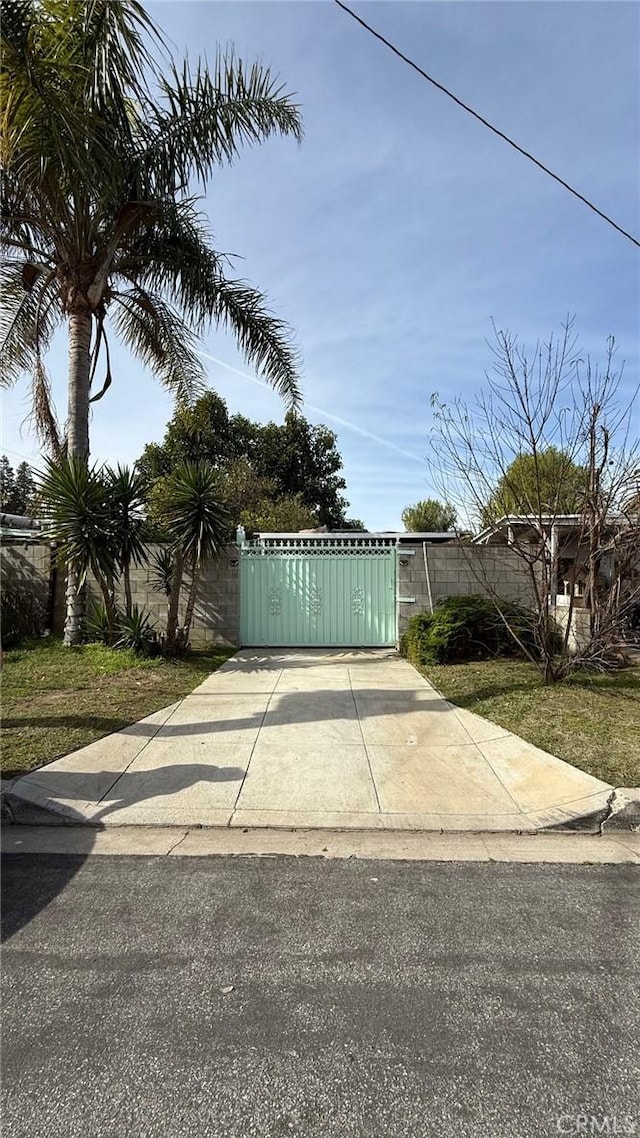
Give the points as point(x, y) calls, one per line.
point(78, 514)
point(161, 570)
point(193, 512)
point(125, 489)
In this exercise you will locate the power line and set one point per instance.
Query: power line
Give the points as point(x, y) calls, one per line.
point(15, 453)
point(465, 107)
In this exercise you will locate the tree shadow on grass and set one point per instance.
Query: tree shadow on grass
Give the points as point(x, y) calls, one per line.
point(96, 723)
point(497, 690)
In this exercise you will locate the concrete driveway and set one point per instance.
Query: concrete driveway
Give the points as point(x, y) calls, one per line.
point(338, 739)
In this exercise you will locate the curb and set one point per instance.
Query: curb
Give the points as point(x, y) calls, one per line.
point(623, 812)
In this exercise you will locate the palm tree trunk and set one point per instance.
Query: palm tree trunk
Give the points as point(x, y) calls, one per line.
point(75, 609)
point(174, 601)
point(80, 323)
point(77, 444)
point(188, 617)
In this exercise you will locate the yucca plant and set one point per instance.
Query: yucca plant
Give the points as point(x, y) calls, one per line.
point(99, 230)
point(161, 569)
point(136, 631)
point(191, 508)
point(77, 511)
point(125, 488)
point(98, 627)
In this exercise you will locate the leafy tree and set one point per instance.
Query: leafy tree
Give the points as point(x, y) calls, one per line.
point(429, 516)
point(189, 505)
point(246, 493)
point(203, 431)
point(99, 229)
point(549, 482)
point(17, 491)
point(286, 472)
point(7, 486)
point(304, 460)
point(254, 502)
point(284, 515)
point(25, 489)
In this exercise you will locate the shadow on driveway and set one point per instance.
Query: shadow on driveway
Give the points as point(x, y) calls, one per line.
point(21, 904)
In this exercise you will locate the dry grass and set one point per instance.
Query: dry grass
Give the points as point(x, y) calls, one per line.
point(56, 699)
point(590, 721)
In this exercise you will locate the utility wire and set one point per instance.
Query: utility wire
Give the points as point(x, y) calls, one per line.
point(520, 149)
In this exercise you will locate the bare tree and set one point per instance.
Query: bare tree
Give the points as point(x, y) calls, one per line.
point(533, 405)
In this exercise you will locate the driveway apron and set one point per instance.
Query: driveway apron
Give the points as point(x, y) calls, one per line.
point(315, 739)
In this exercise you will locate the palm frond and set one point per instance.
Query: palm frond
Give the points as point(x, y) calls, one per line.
point(115, 50)
point(205, 116)
point(264, 339)
point(176, 256)
point(17, 22)
point(28, 316)
point(43, 412)
point(157, 335)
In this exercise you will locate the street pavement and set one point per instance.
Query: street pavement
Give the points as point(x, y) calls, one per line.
point(162, 997)
point(314, 739)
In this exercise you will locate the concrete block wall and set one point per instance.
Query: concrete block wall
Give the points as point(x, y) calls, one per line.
point(28, 564)
point(216, 618)
point(580, 630)
point(217, 612)
point(453, 570)
point(456, 570)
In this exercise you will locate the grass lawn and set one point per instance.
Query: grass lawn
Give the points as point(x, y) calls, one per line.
point(591, 721)
point(56, 699)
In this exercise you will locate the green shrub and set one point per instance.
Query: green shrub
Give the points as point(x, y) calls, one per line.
point(467, 628)
point(22, 613)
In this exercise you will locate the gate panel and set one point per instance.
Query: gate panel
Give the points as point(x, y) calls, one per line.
point(320, 595)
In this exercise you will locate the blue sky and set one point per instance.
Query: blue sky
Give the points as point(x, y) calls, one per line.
point(401, 226)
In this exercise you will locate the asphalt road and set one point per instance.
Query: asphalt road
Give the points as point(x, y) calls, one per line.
point(386, 999)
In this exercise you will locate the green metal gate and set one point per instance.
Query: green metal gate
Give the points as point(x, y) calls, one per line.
point(319, 593)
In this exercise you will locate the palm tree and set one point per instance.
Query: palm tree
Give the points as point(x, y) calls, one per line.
point(78, 513)
point(125, 491)
point(99, 149)
point(191, 508)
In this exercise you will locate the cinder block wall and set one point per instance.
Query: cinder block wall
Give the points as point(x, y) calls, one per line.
point(216, 617)
point(455, 570)
point(27, 564)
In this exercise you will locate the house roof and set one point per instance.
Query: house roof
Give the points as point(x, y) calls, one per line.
point(345, 535)
point(566, 521)
point(17, 526)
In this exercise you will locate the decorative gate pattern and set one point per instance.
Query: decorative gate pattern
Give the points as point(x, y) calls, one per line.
point(295, 592)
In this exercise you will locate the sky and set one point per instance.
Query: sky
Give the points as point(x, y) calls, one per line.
point(401, 226)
